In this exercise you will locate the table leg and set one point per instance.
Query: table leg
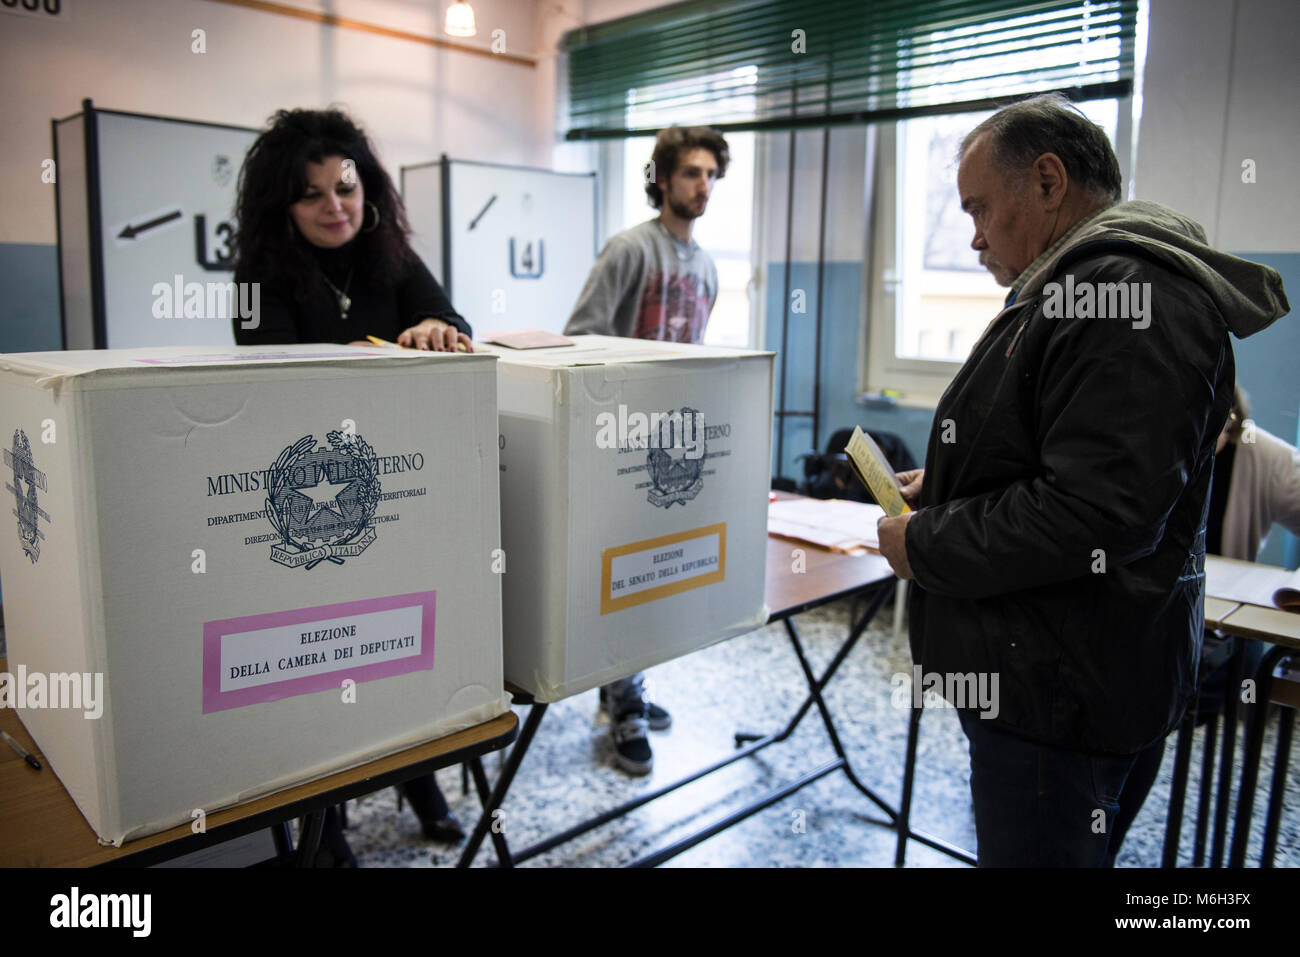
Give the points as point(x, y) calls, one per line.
point(1231, 695)
point(815, 686)
point(909, 777)
point(1178, 789)
point(1278, 791)
point(504, 858)
point(855, 633)
point(1206, 790)
point(492, 802)
point(309, 839)
point(1255, 721)
point(535, 715)
point(283, 841)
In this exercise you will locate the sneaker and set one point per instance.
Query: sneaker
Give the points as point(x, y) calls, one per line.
point(658, 718)
point(631, 747)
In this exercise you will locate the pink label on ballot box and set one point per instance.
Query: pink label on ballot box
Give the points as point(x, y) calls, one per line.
point(260, 658)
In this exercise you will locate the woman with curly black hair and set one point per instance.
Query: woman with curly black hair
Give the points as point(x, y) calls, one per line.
point(322, 229)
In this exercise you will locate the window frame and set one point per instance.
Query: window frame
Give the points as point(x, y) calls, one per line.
point(611, 160)
point(919, 383)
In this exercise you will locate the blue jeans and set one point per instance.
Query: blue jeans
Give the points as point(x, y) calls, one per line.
point(1041, 806)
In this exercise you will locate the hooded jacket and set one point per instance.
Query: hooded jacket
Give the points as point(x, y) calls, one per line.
point(1060, 542)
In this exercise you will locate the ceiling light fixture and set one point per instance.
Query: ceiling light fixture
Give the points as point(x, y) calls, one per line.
point(460, 20)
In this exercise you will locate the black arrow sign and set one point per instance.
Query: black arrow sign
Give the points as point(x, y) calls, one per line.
point(132, 231)
point(474, 222)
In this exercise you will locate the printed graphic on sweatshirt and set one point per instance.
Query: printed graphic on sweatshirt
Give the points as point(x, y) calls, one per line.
point(27, 478)
point(673, 308)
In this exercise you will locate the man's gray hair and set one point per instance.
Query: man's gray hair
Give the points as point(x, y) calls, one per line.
point(1049, 123)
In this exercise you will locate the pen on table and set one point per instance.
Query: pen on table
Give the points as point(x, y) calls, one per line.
point(26, 755)
point(460, 346)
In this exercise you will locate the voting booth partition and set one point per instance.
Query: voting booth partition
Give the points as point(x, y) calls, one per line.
point(233, 572)
point(145, 224)
point(634, 494)
point(511, 245)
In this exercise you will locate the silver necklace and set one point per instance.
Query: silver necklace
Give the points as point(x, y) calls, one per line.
point(345, 303)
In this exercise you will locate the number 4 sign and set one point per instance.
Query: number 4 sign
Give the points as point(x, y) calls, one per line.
point(527, 258)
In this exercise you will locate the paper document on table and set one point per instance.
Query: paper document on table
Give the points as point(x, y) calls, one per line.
point(1252, 583)
point(528, 339)
point(875, 472)
point(836, 524)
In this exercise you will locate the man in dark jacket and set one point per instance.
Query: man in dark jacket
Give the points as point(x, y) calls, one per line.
point(1059, 543)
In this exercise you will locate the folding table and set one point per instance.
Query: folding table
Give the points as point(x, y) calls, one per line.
point(820, 577)
point(40, 825)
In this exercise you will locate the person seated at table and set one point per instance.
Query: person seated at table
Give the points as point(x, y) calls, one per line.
point(323, 231)
point(1256, 484)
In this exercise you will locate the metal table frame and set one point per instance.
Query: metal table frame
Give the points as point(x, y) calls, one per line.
point(747, 744)
point(310, 808)
point(310, 812)
point(1256, 718)
point(1256, 715)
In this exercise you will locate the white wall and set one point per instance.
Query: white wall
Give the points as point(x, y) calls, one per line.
point(416, 101)
point(1220, 87)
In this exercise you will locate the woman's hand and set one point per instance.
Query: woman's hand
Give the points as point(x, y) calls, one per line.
point(435, 335)
point(909, 483)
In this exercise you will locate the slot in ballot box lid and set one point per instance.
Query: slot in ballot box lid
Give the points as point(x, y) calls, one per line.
point(590, 350)
point(53, 369)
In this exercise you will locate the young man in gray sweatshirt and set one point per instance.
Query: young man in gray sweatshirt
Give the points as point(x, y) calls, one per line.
point(653, 281)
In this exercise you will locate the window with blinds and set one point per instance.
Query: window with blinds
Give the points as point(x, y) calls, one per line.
point(773, 64)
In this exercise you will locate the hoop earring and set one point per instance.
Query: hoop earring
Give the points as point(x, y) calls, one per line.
point(371, 229)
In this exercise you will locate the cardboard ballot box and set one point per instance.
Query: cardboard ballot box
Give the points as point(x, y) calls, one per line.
point(274, 563)
point(634, 483)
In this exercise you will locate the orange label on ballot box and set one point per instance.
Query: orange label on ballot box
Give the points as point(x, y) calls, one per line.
point(658, 567)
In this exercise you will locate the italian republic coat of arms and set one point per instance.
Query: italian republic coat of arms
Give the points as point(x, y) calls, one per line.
point(321, 499)
point(27, 479)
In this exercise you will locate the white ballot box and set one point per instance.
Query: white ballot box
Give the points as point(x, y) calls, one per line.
point(634, 488)
point(228, 571)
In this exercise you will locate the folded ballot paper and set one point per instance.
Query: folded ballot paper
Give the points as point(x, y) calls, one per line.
point(875, 472)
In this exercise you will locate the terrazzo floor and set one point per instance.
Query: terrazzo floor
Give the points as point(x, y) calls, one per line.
point(753, 682)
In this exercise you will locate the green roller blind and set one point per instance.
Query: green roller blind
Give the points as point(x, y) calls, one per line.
point(777, 64)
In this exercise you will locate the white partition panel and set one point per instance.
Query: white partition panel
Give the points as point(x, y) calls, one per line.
point(145, 228)
point(513, 245)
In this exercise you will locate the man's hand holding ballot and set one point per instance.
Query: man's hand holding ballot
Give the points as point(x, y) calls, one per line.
point(896, 493)
point(892, 531)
